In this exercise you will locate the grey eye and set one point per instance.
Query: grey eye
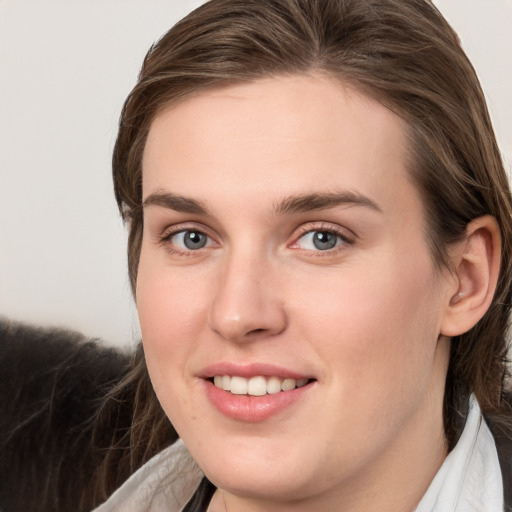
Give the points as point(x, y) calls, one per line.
point(191, 240)
point(323, 240)
point(319, 240)
point(194, 240)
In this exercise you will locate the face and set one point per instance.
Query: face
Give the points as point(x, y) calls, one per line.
point(289, 306)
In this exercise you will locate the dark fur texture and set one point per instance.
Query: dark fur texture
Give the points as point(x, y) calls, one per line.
point(52, 382)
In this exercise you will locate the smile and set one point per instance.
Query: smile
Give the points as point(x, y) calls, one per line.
point(257, 398)
point(256, 386)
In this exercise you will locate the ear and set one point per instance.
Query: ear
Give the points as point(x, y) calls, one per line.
point(476, 264)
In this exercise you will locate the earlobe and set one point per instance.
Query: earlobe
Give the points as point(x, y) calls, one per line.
point(476, 269)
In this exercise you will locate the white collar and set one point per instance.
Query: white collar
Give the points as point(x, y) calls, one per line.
point(469, 479)
point(165, 483)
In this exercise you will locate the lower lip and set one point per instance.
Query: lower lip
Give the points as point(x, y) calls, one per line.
point(253, 409)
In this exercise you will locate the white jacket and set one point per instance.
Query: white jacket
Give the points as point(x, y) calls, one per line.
point(469, 479)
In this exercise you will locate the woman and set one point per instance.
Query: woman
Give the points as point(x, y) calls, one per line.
point(320, 234)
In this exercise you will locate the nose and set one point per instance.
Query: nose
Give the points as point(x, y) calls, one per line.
point(247, 304)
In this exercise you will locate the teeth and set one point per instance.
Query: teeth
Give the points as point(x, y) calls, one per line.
point(273, 385)
point(239, 385)
point(256, 386)
point(288, 384)
point(226, 383)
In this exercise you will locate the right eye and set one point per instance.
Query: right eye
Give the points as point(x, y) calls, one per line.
point(188, 240)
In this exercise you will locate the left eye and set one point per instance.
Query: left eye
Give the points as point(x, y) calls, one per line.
point(319, 240)
point(190, 240)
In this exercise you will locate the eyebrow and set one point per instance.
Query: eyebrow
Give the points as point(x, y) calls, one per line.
point(321, 201)
point(293, 204)
point(175, 202)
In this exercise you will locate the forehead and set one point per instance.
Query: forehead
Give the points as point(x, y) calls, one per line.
point(302, 133)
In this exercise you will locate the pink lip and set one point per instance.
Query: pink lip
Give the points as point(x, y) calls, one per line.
point(250, 370)
point(252, 409)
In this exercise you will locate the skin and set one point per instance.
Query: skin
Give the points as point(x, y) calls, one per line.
point(365, 318)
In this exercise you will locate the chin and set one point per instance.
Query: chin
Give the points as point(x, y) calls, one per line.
point(261, 472)
point(263, 484)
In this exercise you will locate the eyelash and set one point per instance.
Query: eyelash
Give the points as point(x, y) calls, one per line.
point(341, 235)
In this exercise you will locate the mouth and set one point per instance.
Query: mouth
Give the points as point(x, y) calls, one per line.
point(257, 398)
point(258, 385)
point(255, 392)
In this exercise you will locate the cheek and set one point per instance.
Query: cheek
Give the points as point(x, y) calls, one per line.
point(376, 322)
point(171, 317)
point(376, 333)
point(169, 303)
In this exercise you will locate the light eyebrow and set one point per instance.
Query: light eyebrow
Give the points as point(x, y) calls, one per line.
point(176, 203)
point(309, 202)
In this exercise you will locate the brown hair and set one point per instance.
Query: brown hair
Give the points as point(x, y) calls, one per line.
point(401, 52)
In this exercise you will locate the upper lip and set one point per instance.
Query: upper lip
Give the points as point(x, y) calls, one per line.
point(248, 370)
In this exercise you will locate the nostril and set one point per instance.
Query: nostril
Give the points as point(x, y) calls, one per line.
point(255, 331)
